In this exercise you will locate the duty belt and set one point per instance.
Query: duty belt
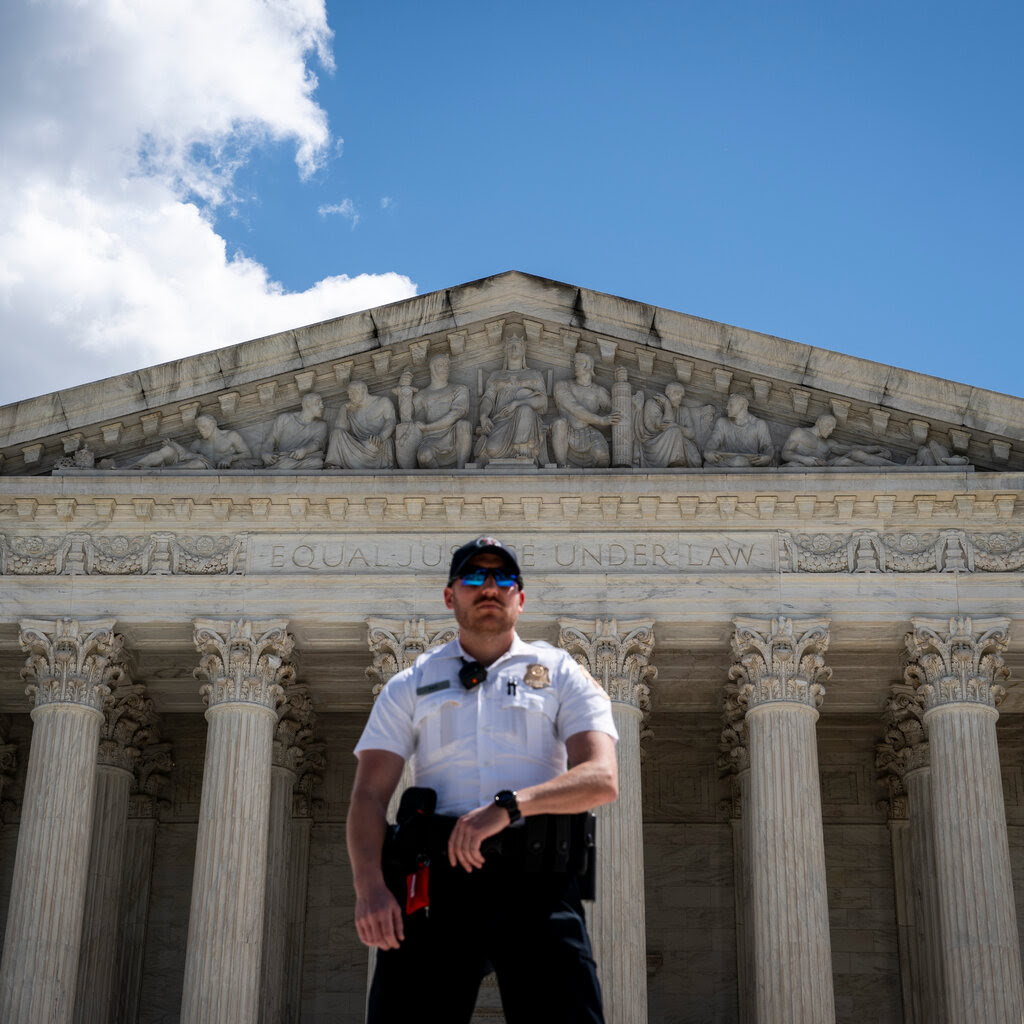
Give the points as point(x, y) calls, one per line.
point(550, 843)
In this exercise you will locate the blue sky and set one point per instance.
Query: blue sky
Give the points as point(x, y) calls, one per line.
point(845, 175)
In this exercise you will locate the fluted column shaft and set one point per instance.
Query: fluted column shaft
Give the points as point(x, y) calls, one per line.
point(928, 982)
point(297, 882)
point(225, 932)
point(67, 666)
point(618, 926)
point(617, 655)
point(103, 897)
point(778, 663)
point(44, 921)
point(980, 945)
point(957, 667)
point(138, 875)
point(275, 915)
point(744, 856)
point(793, 951)
point(243, 660)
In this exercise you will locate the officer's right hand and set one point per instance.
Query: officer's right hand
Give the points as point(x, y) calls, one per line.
point(379, 918)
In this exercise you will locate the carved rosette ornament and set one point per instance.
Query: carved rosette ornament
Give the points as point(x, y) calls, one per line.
point(617, 654)
point(396, 643)
point(243, 660)
point(958, 660)
point(69, 662)
point(904, 748)
point(780, 659)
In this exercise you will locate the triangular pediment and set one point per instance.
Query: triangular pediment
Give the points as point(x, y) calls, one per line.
point(112, 424)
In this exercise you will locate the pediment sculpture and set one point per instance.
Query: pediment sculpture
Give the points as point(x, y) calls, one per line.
point(511, 408)
point(518, 416)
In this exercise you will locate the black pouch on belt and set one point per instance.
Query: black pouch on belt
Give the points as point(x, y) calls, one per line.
point(405, 858)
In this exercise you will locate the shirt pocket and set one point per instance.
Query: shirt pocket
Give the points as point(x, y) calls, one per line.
point(529, 720)
point(436, 722)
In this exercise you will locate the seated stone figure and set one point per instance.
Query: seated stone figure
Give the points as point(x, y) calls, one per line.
point(933, 453)
point(297, 439)
point(585, 407)
point(363, 434)
point(811, 446)
point(434, 431)
point(739, 438)
point(662, 439)
point(513, 402)
point(213, 449)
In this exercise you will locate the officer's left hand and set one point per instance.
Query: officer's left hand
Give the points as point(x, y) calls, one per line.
point(470, 831)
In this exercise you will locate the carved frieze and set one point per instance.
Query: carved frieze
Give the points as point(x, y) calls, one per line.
point(531, 411)
point(154, 554)
point(958, 660)
point(906, 551)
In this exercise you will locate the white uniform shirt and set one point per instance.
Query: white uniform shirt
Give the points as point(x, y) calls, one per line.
point(503, 734)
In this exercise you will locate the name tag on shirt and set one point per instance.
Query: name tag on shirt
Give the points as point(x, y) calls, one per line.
point(442, 684)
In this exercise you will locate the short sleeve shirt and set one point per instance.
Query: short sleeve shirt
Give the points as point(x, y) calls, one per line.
point(508, 732)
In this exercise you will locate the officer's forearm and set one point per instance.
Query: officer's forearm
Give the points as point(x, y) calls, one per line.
point(581, 788)
point(364, 836)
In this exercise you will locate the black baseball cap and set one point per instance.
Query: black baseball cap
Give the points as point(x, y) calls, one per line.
point(481, 546)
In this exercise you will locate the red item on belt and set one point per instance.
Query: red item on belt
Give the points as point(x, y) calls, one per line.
point(417, 887)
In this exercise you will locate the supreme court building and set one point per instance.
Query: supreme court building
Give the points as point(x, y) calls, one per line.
point(798, 575)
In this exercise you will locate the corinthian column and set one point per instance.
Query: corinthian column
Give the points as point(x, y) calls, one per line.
point(394, 645)
point(243, 662)
point(293, 734)
point(903, 762)
point(67, 669)
point(957, 667)
point(734, 763)
point(618, 655)
point(778, 665)
point(127, 719)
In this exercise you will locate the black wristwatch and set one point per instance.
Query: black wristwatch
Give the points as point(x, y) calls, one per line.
point(507, 799)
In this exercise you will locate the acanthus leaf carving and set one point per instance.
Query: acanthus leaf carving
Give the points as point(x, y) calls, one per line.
point(396, 643)
point(69, 661)
point(243, 660)
point(617, 654)
point(780, 659)
point(958, 660)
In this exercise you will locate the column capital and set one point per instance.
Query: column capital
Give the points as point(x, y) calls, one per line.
point(68, 660)
point(396, 643)
point(904, 748)
point(780, 659)
point(733, 745)
point(243, 660)
point(958, 660)
point(128, 718)
point(617, 654)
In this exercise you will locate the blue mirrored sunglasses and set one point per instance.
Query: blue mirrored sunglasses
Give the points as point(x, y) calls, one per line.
point(477, 577)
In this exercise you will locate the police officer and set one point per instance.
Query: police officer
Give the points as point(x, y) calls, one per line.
point(502, 731)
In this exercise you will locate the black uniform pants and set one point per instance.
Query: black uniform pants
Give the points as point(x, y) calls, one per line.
point(527, 927)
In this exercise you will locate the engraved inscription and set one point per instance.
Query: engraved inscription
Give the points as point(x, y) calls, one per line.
point(592, 553)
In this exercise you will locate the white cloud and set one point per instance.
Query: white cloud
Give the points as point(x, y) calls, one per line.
point(386, 202)
point(122, 127)
point(346, 208)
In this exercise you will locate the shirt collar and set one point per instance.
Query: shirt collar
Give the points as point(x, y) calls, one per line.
point(453, 649)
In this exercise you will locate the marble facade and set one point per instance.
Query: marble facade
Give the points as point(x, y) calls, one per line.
point(798, 575)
